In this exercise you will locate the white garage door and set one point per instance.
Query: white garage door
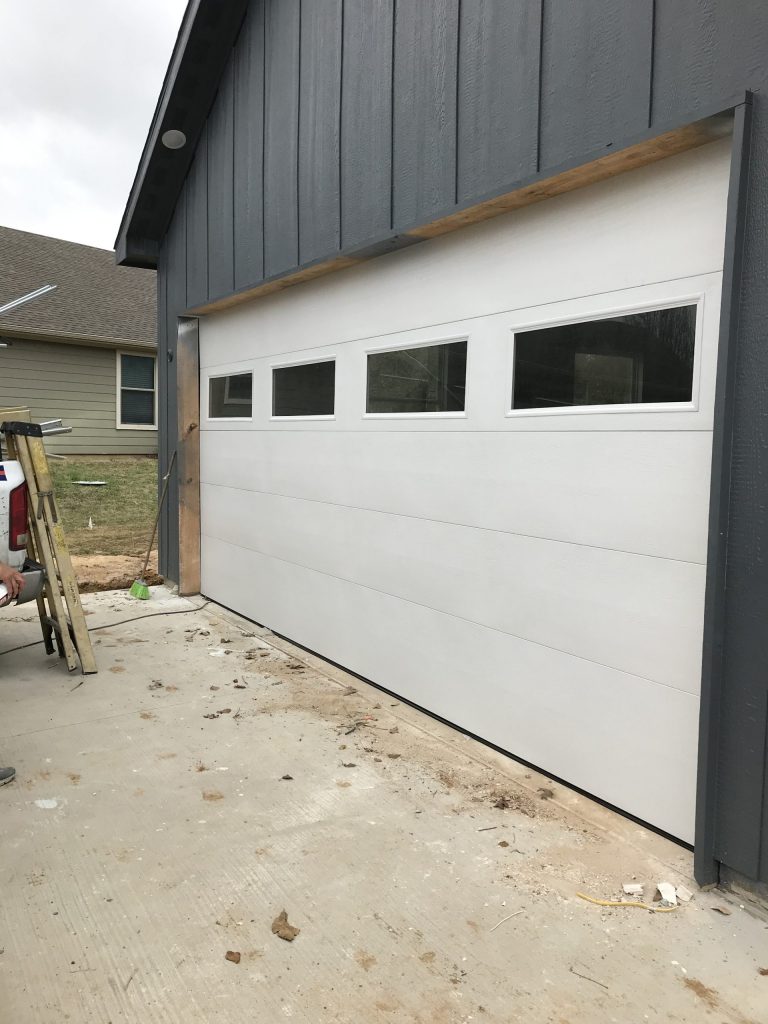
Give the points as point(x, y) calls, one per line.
point(477, 473)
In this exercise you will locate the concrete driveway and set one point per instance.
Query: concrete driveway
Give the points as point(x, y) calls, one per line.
point(211, 776)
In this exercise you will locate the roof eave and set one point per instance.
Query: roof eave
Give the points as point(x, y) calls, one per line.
point(206, 36)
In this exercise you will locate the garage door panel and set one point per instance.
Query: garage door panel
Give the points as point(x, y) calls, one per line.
point(636, 613)
point(625, 739)
point(645, 493)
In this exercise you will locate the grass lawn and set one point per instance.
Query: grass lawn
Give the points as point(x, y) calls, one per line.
point(122, 512)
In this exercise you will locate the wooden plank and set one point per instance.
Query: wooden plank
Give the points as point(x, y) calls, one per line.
point(44, 549)
point(281, 136)
point(704, 50)
point(188, 459)
point(425, 62)
point(498, 107)
point(196, 195)
point(221, 203)
point(595, 75)
point(319, 114)
point(616, 162)
point(366, 120)
point(249, 148)
point(60, 550)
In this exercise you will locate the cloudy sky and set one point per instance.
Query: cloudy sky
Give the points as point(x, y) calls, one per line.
point(80, 82)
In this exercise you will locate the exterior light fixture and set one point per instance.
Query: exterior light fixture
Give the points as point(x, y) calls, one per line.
point(173, 139)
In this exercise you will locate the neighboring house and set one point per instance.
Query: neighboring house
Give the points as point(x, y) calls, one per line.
point(510, 463)
point(85, 352)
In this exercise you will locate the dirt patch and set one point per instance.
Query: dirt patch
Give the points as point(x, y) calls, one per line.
point(212, 795)
point(365, 960)
point(707, 995)
point(112, 572)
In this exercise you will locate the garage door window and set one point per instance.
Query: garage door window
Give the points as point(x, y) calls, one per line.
point(428, 379)
point(230, 397)
point(633, 359)
point(306, 389)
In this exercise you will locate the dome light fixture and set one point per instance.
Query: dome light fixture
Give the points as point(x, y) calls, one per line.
point(173, 139)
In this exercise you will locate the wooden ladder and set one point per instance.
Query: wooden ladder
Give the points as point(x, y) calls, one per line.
point(61, 613)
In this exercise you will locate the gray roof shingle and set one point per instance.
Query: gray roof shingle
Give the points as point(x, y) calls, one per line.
point(96, 300)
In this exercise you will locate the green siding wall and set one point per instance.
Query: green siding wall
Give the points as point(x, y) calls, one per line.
point(76, 383)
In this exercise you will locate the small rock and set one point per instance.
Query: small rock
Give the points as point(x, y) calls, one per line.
point(232, 956)
point(155, 685)
point(504, 843)
point(684, 894)
point(210, 716)
point(545, 793)
point(633, 889)
point(286, 778)
point(394, 729)
point(348, 764)
point(394, 756)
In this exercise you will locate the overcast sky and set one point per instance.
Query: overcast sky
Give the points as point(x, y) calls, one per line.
point(80, 79)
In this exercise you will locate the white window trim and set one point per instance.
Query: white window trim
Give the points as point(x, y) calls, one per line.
point(118, 360)
point(692, 299)
point(404, 346)
point(286, 365)
point(220, 376)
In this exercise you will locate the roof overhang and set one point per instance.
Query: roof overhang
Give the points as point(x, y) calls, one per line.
point(208, 32)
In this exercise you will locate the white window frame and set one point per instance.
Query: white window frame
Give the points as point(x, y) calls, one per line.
point(119, 361)
point(406, 346)
point(286, 365)
point(696, 299)
point(225, 375)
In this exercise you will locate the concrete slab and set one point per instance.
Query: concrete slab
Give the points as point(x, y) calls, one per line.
point(152, 830)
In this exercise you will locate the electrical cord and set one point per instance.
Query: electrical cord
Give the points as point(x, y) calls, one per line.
point(120, 622)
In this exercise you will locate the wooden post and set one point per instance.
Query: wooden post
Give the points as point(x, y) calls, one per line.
point(188, 383)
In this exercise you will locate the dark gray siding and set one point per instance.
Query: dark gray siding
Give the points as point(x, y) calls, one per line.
point(595, 75)
point(221, 206)
point(498, 84)
point(366, 120)
point(281, 136)
point(345, 121)
point(424, 133)
point(319, 106)
point(248, 172)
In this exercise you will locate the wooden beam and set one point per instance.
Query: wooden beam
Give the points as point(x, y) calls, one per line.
point(188, 454)
point(647, 150)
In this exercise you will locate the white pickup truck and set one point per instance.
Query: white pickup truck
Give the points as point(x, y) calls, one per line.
point(13, 532)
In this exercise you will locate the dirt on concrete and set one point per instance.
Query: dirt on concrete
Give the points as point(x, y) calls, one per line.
point(112, 572)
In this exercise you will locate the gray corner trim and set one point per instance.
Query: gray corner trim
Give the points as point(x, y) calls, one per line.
point(706, 866)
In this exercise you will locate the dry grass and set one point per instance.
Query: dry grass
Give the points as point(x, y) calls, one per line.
point(122, 512)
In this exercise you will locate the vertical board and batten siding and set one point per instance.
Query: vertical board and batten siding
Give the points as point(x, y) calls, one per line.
point(221, 206)
point(248, 171)
point(76, 383)
point(281, 135)
point(608, 70)
point(425, 62)
point(595, 76)
point(499, 64)
point(319, 106)
point(366, 120)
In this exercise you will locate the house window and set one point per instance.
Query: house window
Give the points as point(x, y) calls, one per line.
point(137, 390)
point(230, 397)
point(633, 359)
point(307, 389)
point(430, 378)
